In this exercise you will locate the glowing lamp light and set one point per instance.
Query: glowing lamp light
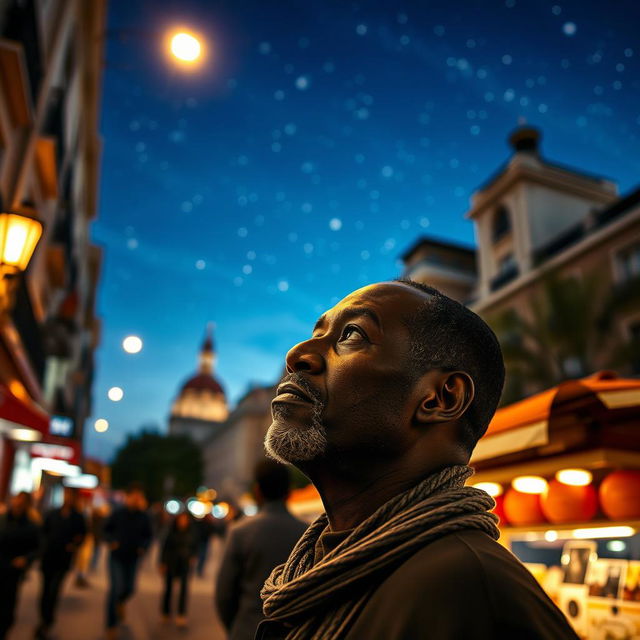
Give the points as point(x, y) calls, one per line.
point(551, 535)
point(132, 344)
point(198, 509)
point(101, 425)
point(19, 236)
point(172, 507)
point(220, 510)
point(115, 394)
point(185, 47)
point(492, 488)
point(574, 477)
point(250, 510)
point(25, 435)
point(617, 546)
point(529, 484)
point(603, 532)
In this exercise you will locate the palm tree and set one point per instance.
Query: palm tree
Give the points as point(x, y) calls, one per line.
point(564, 332)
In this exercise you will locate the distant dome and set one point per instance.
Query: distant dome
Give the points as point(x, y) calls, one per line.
point(202, 381)
point(202, 397)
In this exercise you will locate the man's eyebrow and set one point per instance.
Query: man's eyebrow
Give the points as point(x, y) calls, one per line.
point(349, 314)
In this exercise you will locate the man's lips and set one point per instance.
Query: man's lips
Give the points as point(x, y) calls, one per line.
point(288, 389)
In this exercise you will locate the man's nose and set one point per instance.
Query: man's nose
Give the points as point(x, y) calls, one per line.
point(301, 358)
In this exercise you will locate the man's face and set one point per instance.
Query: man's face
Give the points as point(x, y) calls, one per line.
point(355, 374)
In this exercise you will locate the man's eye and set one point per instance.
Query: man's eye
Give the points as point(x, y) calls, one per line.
point(351, 333)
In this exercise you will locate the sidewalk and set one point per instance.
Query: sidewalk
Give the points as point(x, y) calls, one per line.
point(81, 612)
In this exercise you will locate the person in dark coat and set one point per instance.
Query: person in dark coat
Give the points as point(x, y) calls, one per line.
point(254, 547)
point(127, 532)
point(63, 531)
point(382, 408)
point(178, 555)
point(19, 542)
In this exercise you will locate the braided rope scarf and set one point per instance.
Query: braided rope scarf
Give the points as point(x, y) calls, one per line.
point(321, 601)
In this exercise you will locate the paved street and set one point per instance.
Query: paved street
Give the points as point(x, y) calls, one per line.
point(81, 613)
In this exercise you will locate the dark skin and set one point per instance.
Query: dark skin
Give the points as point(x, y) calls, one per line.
point(387, 427)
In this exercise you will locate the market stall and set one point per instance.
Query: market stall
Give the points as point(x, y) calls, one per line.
point(564, 468)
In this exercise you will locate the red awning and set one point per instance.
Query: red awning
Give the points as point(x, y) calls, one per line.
point(21, 413)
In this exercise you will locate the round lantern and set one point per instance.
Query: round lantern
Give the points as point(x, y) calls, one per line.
point(565, 503)
point(620, 495)
point(522, 509)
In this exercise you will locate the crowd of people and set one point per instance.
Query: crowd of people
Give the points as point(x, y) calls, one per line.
point(68, 540)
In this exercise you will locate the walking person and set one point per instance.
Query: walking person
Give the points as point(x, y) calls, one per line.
point(127, 532)
point(177, 557)
point(63, 531)
point(19, 541)
point(254, 547)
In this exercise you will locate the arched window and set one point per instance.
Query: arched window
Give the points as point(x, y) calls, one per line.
point(501, 223)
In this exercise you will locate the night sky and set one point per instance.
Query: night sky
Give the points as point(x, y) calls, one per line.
point(316, 142)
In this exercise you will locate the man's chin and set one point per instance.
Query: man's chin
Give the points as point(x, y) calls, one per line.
point(289, 443)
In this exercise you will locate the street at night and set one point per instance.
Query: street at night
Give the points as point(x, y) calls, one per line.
point(319, 320)
point(82, 610)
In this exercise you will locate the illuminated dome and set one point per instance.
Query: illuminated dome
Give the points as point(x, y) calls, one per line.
point(202, 396)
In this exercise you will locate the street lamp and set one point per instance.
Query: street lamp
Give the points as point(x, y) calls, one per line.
point(19, 235)
point(185, 47)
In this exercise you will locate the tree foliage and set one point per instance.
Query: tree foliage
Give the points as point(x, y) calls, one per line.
point(164, 465)
point(567, 332)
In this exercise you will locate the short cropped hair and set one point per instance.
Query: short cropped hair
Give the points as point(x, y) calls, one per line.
point(272, 479)
point(447, 335)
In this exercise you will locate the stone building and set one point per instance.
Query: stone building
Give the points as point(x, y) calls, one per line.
point(51, 62)
point(535, 220)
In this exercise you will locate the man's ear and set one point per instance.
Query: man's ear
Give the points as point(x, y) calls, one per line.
point(449, 394)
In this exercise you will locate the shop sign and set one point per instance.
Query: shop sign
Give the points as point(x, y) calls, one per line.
point(57, 451)
point(61, 426)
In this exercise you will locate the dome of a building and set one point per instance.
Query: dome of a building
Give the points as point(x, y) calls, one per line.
point(202, 397)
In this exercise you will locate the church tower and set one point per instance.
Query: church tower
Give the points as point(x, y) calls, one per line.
point(201, 404)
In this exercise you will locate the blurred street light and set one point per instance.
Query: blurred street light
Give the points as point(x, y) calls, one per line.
point(186, 47)
point(101, 425)
point(19, 236)
point(115, 394)
point(132, 344)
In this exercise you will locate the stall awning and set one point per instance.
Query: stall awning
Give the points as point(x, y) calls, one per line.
point(525, 424)
point(16, 413)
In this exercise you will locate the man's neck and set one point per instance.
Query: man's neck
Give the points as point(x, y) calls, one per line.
point(351, 497)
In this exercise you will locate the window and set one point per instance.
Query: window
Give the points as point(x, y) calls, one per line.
point(501, 224)
point(628, 262)
point(507, 263)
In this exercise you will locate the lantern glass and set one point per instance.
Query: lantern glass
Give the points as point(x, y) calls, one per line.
point(529, 484)
point(492, 488)
point(574, 477)
point(19, 236)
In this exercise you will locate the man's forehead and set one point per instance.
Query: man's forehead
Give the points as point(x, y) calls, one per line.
point(384, 297)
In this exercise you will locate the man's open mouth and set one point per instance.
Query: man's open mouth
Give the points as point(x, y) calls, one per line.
point(290, 391)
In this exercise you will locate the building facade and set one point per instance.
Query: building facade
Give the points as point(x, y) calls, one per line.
point(51, 60)
point(543, 229)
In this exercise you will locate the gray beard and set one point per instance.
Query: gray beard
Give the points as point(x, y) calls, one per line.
point(291, 445)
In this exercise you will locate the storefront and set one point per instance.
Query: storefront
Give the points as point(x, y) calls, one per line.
point(564, 468)
point(36, 449)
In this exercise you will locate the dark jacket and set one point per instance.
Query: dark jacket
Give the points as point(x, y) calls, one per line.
point(462, 586)
point(130, 531)
point(62, 534)
point(178, 549)
point(254, 547)
point(18, 537)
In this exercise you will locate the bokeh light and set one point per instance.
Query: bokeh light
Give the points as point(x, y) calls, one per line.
point(132, 344)
point(115, 394)
point(101, 425)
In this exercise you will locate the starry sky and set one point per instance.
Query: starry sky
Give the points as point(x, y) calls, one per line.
point(313, 145)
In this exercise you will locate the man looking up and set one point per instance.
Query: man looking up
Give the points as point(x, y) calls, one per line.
point(382, 408)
